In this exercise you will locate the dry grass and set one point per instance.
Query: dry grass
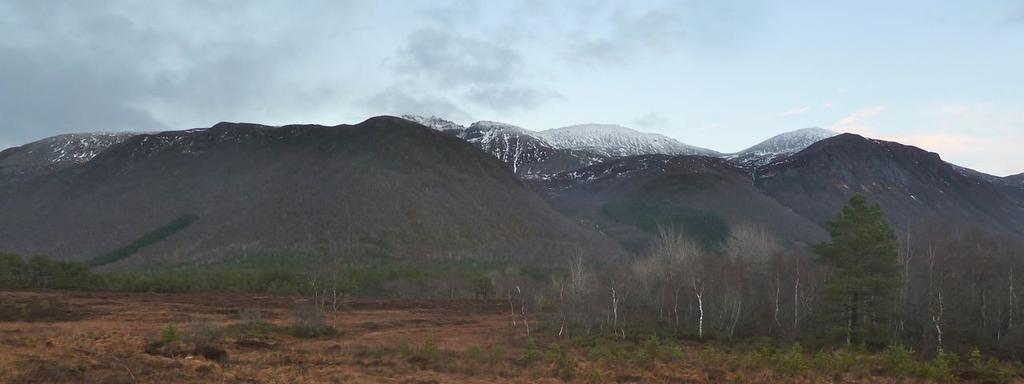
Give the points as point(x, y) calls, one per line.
point(102, 338)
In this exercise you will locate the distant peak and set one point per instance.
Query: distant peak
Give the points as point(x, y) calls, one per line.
point(434, 122)
point(597, 128)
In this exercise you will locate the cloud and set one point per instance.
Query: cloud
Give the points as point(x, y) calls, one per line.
point(479, 69)
point(109, 65)
point(627, 36)
point(394, 101)
point(510, 98)
point(794, 111)
point(981, 136)
point(651, 120)
point(857, 121)
point(451, 60)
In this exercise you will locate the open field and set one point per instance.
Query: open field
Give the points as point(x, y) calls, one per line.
point(53, 337)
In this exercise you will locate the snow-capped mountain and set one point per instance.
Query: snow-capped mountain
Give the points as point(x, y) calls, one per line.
point(58, 151)
point(615, 141)
point(532, 153)
point(436, 123)
point(780, 146)
point(516, 146)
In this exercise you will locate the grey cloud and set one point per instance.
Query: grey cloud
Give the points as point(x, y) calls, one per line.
point(452, 60)
point(108, 65)
point(481, 70)
point(628, 35)
point(509, 98)
point(394, 101)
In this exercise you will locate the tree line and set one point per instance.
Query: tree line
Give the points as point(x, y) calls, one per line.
point(936, 289)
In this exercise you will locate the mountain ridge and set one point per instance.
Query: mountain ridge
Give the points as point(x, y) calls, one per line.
point(382, 188)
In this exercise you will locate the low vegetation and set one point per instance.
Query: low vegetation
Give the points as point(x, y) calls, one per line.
point(930, 305)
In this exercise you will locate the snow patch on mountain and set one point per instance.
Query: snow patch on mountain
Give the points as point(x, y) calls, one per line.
point(616, 141)
point(780, 146)
point(435, 123)
point(59, 151)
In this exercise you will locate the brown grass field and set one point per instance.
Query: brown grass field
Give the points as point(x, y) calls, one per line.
point(71, 337)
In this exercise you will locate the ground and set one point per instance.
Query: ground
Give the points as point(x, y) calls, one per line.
point(56, 337)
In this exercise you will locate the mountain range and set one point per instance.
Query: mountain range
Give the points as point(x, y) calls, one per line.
point(425, 187)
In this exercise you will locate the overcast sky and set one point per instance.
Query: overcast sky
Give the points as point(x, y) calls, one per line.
point(946, 76)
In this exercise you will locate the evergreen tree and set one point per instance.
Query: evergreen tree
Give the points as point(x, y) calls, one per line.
point(12, 272)
point(862, 287)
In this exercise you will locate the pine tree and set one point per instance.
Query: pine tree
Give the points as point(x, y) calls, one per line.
point(862, 287)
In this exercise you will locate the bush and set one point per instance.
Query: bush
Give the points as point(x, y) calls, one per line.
point(941, 368)
point(309, 323)
point(899, 360)
point(529, 355)
point(202, 334)
point(793, 362)
point(565, 363)
point(990, 371)
point(170, 334)
point(12, 272)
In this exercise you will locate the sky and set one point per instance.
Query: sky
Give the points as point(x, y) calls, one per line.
point(944, 76)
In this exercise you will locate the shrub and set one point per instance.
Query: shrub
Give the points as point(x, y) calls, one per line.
point(427, 355)
point(202, 334)
point(897, 359)
point(792, 362)
point(529, 355)
point(990, 371)
point(170, 334)
point(12, 272)
point(565, 363)
point(496, 355)
point(941, 368)
point(309, 323)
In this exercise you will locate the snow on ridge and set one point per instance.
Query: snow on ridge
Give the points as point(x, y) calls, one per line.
point(434, 122)
point(78, 148)
point(616, 140)
point(780, 146)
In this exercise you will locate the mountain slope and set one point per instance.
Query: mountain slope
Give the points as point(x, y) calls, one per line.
point(1015, 180)
point(627, 198)
point(56, 152)
point(914, 186)
point(780, 146)
point(382, 188)
point(526, 154)
point(616, 141)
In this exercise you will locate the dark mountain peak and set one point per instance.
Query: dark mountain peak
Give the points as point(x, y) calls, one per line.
point(383, 187)
point(388, 121)
point(914, 186)
point(853, 147)
point(780, 146)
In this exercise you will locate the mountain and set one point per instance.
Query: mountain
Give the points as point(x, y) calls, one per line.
point(616, 141)
point(1015, 180)
point(383, 188)
point(629, 198)
point(56, 152)
point(780, 146)
point(979, 175)
point(436, 123)
point(915, 187)
point(526, 154)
